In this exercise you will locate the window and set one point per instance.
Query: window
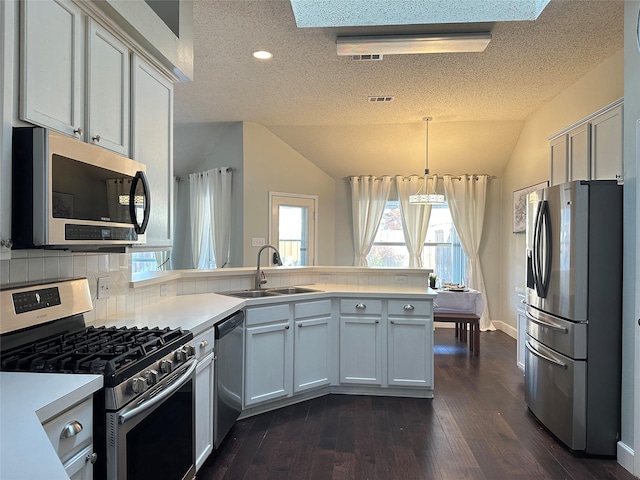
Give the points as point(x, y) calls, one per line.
point(293, 227)
point(149, 261)
point(442, 249)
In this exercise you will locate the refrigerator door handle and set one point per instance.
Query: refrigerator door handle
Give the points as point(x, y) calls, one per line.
point(550, 360)
point(550, 326)
point(545, 220)
point(536, 260)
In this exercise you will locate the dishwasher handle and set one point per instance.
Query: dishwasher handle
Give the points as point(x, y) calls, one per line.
point(229, 324)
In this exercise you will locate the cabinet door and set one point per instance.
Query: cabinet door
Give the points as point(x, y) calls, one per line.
point(410, 352)
point(108, 86)
point(80, 467)
point(268, 369)
point(606, 145)
point(204, 409)
point(578, 151)
point(152, 117)
point(558, 172)
point(311, 353)
point(52, 66)
point(360, 350)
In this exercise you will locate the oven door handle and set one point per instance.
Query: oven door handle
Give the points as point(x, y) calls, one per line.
point(176, 385)
point(552, 361)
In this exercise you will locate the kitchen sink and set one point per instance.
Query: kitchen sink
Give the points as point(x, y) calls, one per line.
point(291, 290)
point(251, 294)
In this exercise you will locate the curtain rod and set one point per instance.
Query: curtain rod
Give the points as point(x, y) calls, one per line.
point(437, 177)
point(229, 169)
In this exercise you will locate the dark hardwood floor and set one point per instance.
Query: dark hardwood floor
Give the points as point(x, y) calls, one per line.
point(476, 427)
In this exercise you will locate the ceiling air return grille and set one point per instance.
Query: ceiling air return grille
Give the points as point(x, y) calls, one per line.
point(367, 58)
point(381, 99)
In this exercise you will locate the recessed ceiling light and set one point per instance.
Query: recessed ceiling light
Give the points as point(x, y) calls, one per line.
point(263, 55)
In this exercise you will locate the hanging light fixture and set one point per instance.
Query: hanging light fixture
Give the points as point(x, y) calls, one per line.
point(426, 197)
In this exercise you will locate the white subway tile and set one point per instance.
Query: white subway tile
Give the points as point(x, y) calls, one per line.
point(79, 265)
point(201, 286)
point(188, 287)
point(35, 268)
point(66, 266)
point(92, 264)
point(15, 254)
point(103, 262)
point(213, 285)
point(5, 266)
point(52, 267)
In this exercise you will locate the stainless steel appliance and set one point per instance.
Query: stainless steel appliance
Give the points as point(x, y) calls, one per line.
point(574, 312)
point(229, 351)
point(144, 416)
point(70, 194)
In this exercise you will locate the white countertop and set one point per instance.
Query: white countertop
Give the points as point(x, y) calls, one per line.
point(27, 400)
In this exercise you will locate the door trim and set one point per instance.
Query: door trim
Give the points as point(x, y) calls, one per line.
point(314, 199)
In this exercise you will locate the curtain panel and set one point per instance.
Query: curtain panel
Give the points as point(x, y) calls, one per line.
point(415, 217)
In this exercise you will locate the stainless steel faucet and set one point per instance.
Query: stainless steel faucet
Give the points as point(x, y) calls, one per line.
point(260, 278)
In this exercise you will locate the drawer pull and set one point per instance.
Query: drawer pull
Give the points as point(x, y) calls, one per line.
point(393, 322)
point(377, 321)
point(204, 343)
point(408, 307)
point(93, 458)
point(360, 306)
point(286, 327)
point(71, 429)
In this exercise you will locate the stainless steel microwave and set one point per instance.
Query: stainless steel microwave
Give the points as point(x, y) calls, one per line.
point(74, 195)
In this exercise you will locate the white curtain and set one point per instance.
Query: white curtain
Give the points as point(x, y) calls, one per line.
point(199, 220)
point(415, 217)
point(368, 198)
point(466, 196)
point(220, 205)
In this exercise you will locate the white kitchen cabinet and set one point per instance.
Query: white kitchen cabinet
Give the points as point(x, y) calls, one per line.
point(204, 395)
point(71, 434)
point(269, 354)
point(578, 158)
point(410, 343)
point(606, 145)
point(521, 323)
point(558, 173)
point(361, 341)
point(108, 90)
point(312, 345)
point(52, 65)
point(152, 142)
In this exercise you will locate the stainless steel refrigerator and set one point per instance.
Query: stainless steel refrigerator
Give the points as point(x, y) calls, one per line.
point(574, 312)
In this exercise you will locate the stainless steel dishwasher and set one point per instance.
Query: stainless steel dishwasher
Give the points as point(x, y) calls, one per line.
point(229, 351)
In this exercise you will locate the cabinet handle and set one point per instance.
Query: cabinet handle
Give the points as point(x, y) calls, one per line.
point(360, 306)
point(78, 131)
point(71, 429)
point(286, 327)
point(93, 458)
point(408, 307)
point(8, 243)
point(377, 321)
point(393, 322)
point(96, 138)
point(300, 325)
point(204, 343)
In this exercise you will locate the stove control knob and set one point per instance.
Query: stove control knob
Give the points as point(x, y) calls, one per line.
point(191, 350)
point(152, 377)
point(166, 366)
point(138, 384)
point(180, 356)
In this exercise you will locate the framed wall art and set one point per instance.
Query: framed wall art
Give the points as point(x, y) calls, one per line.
point(520, 206)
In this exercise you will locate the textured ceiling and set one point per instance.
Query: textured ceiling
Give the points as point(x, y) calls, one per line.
point(317, 102)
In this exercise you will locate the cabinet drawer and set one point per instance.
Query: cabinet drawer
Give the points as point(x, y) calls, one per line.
point(312, 309)
point(361, 306)
point(418, 308)
point(274, 313)
point(79, 417)
point(203, 343)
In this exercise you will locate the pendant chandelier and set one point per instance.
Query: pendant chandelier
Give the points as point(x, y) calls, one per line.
point(426, 197)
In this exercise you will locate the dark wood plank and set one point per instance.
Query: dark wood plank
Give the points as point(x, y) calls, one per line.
point(476, 427)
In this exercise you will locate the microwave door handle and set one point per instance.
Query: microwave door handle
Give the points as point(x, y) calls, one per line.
point(140, 228)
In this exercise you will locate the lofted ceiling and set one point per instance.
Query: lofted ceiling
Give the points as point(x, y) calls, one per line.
point(317, 102)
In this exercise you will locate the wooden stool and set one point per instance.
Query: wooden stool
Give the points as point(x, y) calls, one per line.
point(461, 321)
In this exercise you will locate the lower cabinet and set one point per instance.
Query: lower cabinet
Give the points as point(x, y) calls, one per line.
point(204, 385)
point(80, 467)
point(268, 355)
point(311, 345)
point(522, 329)
point(410, 344)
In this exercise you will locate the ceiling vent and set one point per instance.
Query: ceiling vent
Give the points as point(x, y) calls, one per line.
point(367, 58)
point(383, 99)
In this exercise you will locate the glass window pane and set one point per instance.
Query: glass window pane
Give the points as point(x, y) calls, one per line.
point(292, 235)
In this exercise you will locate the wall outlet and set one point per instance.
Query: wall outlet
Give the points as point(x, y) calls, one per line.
point(401, 279)
point(163, 290)
point(258, 242)
point(104, 287)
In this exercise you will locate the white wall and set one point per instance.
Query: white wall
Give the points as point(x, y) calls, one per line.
point(272, 165)
point(529, 162)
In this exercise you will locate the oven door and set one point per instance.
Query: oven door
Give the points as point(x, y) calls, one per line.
point(154, 437)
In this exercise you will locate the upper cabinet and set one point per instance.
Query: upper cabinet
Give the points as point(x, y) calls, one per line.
point(152, 117)
point(589, 150)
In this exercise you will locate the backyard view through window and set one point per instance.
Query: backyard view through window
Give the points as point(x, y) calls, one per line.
point(442, 250)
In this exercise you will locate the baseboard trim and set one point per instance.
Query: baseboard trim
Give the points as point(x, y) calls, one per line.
point(625, 457)
point(506, 328)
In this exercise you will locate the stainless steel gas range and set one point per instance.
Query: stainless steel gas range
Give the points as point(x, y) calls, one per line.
point(144, 416)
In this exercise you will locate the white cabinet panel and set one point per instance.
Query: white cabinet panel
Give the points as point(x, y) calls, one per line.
point(152, 117)
point(52, 65)
point(410, 352)
point(204, 409)
point(311, 353)
point(558, 172)
point(578, 159)
point(606, 145)
point(108, 86)
point(360, 350)
point(80, 467)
